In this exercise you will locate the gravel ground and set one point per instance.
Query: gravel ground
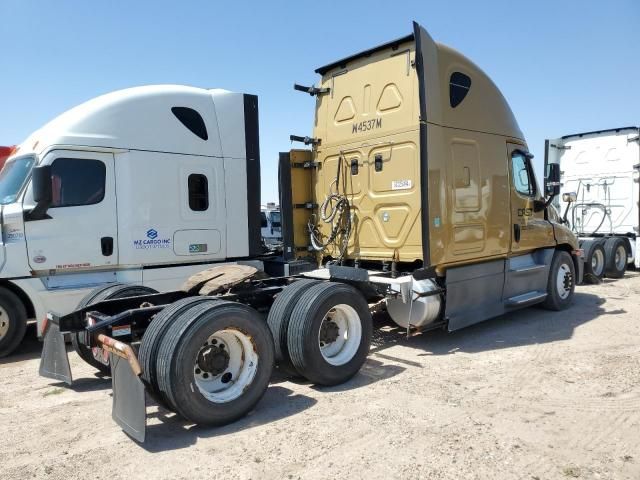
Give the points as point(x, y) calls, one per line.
point(530, 395)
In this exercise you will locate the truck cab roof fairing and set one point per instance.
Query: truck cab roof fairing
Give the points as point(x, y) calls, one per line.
point(440, 62)
point(139, 118)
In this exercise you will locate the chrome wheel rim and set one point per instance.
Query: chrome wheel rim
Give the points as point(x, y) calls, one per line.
point(340, 334)
point(4, 323)
point(621, 257)
point(225, 365)
point(564, 281)
point(597, 262)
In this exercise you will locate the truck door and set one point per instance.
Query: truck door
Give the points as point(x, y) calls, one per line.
point(529, 229)
point(81, 231)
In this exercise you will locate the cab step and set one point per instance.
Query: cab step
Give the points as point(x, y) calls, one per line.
point(526, 299)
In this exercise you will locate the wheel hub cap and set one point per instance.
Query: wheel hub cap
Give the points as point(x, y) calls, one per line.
point(213, 359)
point(4, 322)
point(329, 331)
point(564, 281)
point(226, 365)
point(340, 334)
point(620, 257)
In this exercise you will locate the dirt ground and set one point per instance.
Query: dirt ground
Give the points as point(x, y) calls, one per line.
point(530, 395)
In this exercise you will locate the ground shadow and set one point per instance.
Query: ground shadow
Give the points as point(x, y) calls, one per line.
point(84, 384)
point(522, 327)
point(174, 433)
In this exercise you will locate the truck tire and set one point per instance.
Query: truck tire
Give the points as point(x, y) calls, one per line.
point(330, 333)
point(562, 282)
point(105, 292)
point(152, 338)
point(616, 254)
point(278, 321)
point(13, 321)
point(594, 261)
point(215, 362)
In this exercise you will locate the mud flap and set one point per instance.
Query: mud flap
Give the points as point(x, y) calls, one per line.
point(54, 362)
point(129, 403)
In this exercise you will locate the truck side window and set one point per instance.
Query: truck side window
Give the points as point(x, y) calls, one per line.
point(77, 181)
point(198, 192)
point(459, 85)
point(522, 175)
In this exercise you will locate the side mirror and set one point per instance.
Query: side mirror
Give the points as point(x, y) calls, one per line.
point(42, 192)
point(569, 197)
point(552, 182)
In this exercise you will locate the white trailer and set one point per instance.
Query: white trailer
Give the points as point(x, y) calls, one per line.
point(600, 195)
point(142, 180)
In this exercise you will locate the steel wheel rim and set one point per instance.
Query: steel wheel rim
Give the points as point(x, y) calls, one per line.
point(564, 281)
point(597, 262)
point(238, 374)
point(621, 257)
point(349, 335)
point(4, 323)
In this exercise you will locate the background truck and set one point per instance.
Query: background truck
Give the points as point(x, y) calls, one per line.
point(5, 152)
point(600, 195)
point(418, 193)
point(141, 180)
point(271, 225)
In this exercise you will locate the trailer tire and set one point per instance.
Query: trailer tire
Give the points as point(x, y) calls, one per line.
point(215, 362)
point(278, 321)
point(105, 292)
point(562, 282)
point(330, 333)
point(616, 254)
point(13, 321)
point(594, 261)
point(152, 338)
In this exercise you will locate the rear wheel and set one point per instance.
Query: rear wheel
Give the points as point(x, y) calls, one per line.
point(330, 333)
point(278, 321)
point(616, 254)
point(13, 321)
point(594, 261)
point(561, 285)
point(152, 338)
point(108, 292)
point(215, 362)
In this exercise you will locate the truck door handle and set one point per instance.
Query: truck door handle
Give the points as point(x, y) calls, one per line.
point(516, 232)
point(106, 243)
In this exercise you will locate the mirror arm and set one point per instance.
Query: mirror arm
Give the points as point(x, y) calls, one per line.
point(566, 212)
point(39, 212)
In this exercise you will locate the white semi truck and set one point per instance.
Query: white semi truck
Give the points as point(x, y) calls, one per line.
point(141, 183)
point(600, 195)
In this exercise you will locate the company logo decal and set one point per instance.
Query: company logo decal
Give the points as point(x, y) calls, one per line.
point(39, 259)
point(153, 240)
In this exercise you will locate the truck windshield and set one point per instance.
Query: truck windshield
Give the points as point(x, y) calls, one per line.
point(13, 176)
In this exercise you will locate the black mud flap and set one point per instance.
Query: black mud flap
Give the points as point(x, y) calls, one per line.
point(54, 362)
point(129, 403)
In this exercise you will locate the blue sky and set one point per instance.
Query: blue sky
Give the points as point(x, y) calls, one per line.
point(564, 66)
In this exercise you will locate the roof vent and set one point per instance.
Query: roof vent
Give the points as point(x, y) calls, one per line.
point(192, 120)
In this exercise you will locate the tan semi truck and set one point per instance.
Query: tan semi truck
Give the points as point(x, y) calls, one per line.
point(417, 193)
